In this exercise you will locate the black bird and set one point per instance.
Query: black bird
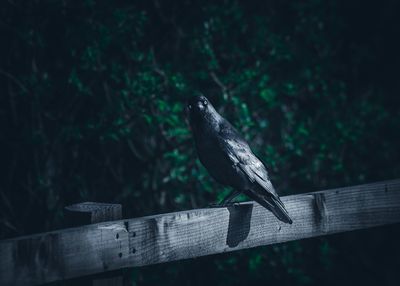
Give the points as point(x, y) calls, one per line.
point(229, 159)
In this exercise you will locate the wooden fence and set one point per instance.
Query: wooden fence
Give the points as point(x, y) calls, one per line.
point(106, 246)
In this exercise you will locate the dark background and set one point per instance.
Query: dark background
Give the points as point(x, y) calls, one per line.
point(92, 100)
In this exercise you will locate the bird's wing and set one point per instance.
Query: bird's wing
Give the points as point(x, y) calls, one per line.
point(241, 155)
point(263, 192)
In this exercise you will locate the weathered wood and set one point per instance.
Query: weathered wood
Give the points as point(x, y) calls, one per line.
point(89, 213)
point(154, 239)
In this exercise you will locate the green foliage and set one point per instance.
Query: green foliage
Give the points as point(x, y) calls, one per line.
point(93, 102)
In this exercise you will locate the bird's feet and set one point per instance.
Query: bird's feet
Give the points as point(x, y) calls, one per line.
point(224, 205)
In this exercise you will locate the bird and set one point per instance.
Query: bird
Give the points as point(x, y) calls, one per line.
point(228, 158)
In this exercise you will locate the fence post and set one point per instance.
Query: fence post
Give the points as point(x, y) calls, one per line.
point(89, 213)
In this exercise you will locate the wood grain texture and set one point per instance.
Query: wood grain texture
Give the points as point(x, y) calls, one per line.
point(93, 212)
point(133, 242)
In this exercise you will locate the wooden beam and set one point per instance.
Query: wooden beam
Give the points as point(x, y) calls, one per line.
point(154, 239)
point(89, 213)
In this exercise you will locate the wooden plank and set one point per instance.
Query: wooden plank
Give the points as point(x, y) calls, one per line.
point(154, 239)
point(89, 213)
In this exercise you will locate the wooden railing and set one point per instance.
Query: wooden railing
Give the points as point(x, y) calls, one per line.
point(106, 246)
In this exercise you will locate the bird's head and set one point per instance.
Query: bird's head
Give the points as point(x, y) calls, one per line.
point(200, 109)
point(198, 105)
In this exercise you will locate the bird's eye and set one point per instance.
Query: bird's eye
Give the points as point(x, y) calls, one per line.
point(205, 102)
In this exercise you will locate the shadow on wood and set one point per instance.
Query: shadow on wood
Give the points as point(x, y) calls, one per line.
point(239, 223)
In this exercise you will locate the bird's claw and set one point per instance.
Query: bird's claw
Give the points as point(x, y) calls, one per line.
point(214, 205)
point(234, 204)
point(224, 205)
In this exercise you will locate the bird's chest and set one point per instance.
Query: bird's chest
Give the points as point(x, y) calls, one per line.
point(209, 151)
point(214, 158)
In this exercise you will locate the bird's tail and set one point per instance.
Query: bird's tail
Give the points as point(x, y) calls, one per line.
point(274, 204)
point(280, 211)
